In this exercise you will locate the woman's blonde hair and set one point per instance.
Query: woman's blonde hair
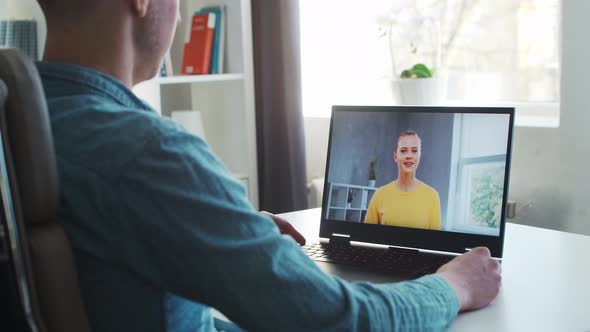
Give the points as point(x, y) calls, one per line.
point(407, 133)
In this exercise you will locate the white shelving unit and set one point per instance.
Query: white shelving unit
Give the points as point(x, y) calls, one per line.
point(226, 101)
point(348, 202)
point(184, 79)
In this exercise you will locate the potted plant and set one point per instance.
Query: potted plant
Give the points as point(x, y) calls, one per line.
point(416, 47)
point(419, 70)
point(417, 86)
point(372, 174)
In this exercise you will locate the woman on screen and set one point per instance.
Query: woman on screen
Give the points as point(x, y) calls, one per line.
point(406, 201)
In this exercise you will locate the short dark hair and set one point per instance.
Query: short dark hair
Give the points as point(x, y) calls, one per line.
point(46, 4)
point(67, 7)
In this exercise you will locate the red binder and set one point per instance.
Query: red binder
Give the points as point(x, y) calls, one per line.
point(197, 50)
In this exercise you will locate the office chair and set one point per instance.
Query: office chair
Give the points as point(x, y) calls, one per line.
point(41, 258)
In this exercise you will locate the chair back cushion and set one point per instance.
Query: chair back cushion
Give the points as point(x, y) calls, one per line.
point(30, 142)
point(32, 174)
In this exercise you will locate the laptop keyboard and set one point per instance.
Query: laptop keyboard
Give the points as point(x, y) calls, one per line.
point(398, 261)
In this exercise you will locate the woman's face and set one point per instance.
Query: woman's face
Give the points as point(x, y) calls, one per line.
point(407, 155)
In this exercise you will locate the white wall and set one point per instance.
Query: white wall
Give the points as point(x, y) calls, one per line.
point(550, 166)
point(550, 177)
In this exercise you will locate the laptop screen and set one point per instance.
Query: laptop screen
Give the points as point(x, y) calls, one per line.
point(425, 168)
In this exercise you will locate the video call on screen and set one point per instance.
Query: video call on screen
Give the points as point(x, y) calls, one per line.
point(458, 159)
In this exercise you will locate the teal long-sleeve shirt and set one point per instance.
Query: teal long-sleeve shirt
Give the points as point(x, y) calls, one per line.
point(162, 231)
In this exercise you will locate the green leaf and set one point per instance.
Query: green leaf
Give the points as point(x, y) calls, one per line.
point(420, 66)
point(372, 175)
point(406, 74)
point(421, 70)
point(418, 71)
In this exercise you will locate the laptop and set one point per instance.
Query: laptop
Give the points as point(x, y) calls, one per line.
point(408, 188)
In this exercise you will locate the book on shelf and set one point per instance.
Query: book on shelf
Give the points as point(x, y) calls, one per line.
point(196, 58)
point(219, 37)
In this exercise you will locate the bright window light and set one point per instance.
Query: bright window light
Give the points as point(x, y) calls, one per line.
point(502, 51)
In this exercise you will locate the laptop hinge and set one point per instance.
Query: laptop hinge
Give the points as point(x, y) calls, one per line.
point(340, 240)
point(407, 250)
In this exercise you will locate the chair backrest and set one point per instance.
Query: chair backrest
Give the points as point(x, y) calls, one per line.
point(41, 254)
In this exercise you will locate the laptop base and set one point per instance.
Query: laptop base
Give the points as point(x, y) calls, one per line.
point(355, 273)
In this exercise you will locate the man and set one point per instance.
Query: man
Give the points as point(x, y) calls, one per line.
point(159, 227)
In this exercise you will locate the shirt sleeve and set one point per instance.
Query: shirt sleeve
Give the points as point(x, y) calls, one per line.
point(187, 227)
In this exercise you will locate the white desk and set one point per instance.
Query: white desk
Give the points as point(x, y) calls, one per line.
point(545, 283)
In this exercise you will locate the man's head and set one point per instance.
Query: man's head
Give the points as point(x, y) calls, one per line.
point(126, 33)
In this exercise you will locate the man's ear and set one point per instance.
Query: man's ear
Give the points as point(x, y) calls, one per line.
point(140, 7)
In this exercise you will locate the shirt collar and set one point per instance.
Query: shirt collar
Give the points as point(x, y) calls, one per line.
point(78, 80)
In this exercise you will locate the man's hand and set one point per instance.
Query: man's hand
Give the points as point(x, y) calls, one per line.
point(285, 227)
point(475, 277)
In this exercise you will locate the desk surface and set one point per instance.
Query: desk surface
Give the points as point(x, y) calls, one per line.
point(545, 280)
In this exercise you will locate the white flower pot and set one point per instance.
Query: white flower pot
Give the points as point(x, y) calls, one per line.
point(422, 91)
point(372, 183)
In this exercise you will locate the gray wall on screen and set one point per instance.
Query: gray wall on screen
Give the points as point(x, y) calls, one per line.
point(359, 137)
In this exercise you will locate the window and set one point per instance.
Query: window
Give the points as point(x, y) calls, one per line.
point(477, 173)
point(482, 183)
point(492, 52)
